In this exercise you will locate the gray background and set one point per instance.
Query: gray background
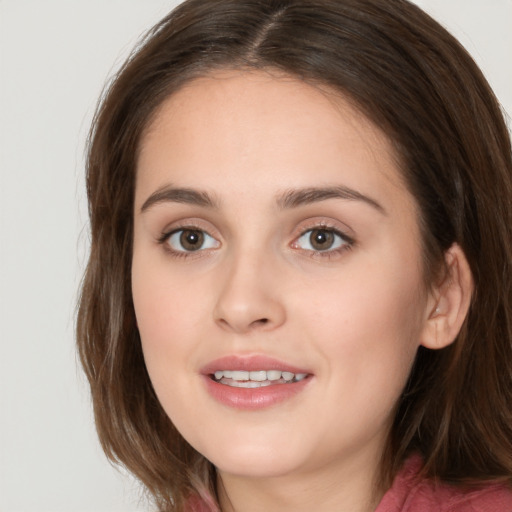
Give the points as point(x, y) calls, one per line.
point(54, 58)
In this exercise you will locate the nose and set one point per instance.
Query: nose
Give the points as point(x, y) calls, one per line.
point(249, 298)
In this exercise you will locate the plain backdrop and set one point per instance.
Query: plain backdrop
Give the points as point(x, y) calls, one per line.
point(54, 58)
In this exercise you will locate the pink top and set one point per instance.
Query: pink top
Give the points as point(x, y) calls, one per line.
point(410, 494)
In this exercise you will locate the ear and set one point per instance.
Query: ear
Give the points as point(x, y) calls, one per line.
point(449, 301)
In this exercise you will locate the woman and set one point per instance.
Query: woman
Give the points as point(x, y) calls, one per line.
point(299, 283)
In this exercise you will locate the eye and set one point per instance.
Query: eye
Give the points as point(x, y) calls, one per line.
point(321, 240)
point(190, 240)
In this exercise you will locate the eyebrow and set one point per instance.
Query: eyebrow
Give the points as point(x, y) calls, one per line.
point(179, 195)
point(292, 198)
point(304, 196)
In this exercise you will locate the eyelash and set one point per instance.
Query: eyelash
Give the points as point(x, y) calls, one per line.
point(346, 242)
point(166, 236)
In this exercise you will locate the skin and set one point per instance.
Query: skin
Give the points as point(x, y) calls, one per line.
point(353, 315)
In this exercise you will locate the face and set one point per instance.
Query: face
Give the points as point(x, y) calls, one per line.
point(277, 276)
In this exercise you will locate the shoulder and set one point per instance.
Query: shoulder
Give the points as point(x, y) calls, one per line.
point(411, 494)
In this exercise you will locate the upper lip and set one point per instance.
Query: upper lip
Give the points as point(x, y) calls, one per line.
point(250, 363)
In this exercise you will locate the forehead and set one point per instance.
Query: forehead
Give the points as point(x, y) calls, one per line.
point(257, 125)
point(244, 96)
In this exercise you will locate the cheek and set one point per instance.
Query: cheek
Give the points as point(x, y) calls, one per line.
point(162, 298)
point(166, 312)
point(370, 295)
point(368, 325)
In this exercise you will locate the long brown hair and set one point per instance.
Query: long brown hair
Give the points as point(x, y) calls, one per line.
point(412, 79)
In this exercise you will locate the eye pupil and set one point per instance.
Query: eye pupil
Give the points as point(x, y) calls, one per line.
point(321, 239)
point(191, 240)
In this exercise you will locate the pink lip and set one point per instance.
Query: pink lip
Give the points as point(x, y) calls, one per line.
point(252, 398)
point(249, 364)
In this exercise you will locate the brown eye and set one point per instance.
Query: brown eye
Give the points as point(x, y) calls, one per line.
point(191, 240)
point(320, 239)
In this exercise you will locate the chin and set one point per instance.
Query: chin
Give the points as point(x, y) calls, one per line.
point(266, 458)
point(257, 465)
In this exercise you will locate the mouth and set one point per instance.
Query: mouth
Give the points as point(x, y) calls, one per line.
point(254, 382)
point(256, 379)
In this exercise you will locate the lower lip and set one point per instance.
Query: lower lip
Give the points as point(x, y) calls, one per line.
point(253, 398)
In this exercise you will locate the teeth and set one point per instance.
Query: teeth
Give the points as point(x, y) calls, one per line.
point(273, 374)
point(240, 375)
point(240, 378)
point(248, 384)
point(258, 376)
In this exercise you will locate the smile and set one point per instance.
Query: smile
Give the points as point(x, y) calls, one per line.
point(256, 379)
point(254, 382)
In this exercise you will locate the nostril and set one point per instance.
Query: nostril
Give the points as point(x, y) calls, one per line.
point(261, 321)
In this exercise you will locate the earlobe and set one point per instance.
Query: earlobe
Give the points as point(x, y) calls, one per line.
point(449, 301)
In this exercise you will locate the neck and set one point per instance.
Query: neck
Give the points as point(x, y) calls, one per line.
point(344, 488)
